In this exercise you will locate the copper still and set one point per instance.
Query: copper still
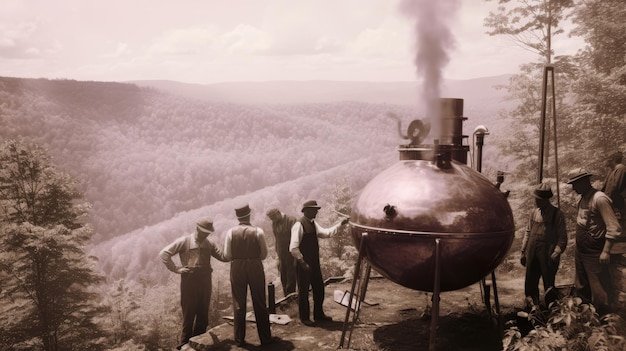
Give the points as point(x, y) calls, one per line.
point(429, 201)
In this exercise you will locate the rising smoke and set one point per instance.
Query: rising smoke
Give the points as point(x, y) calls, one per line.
point(433, 43)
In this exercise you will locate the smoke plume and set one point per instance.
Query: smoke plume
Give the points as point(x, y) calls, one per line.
point(433, 43)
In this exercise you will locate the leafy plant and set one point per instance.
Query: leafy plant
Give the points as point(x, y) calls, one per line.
point(568, 325)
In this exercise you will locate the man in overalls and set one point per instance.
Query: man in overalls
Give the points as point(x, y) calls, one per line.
point(245, 246)
point(597, 229)
point(304, 247)
point(543, 243)
point(195, 252)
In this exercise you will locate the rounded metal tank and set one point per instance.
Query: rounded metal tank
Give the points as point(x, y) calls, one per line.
point(427, 196)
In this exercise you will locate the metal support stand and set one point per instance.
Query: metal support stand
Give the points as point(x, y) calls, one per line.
point(360, 281)
point(434, 320)
point(548, 75)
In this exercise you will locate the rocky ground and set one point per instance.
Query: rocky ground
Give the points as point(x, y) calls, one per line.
point(398, 319)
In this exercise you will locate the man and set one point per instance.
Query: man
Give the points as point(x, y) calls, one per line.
point(596, 231)
point(615, 186)
point(281, 226)
point(543, 243)
point(246, 248)
point(304, 247)
point(195, 252)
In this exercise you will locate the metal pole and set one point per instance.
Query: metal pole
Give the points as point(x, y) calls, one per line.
point(435, 317)
point(542, 125)
point(357, 269)
point(271, 297)
point(556, 147)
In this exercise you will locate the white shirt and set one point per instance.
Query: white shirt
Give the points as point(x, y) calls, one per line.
point(297, 232)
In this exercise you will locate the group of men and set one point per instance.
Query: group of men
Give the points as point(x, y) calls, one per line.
point(245, 248)
point(600, 219)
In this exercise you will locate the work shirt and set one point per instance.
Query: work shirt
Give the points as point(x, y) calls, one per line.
point(615, 186)
point(192, 254)
point(597, 217)
point(282, 234)
point(231, 252)
point(536, 231)
point(297, 232)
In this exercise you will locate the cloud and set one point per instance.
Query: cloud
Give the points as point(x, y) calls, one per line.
point(245, 39)
point(15, 40)
point(381, 42)
point(121, 50)
point(185, 41)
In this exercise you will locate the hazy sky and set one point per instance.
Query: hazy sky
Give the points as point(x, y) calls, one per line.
point(207, 41)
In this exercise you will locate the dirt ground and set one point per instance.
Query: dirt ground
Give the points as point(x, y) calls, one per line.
point(398, 319)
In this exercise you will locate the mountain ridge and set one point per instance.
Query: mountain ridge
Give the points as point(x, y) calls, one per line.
point(322, 91)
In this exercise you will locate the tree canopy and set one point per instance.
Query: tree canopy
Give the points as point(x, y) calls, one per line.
point(46, 275)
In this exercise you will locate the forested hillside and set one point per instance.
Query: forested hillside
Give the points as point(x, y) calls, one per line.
point(145, 155)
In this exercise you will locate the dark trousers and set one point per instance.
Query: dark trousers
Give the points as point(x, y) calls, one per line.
point(287, 268)
point(244, 273)
point(593, 281)
point(313, 278)
point(195, 296)
point(540, 266)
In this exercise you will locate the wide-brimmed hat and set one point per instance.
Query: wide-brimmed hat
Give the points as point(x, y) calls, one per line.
point(243, 211)
point(577, 174)
point(543, 191)
point(310, 204)
point(205, 225)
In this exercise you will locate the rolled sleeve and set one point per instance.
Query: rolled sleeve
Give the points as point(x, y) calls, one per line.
point(294, 243)
point(171, 250)
point(613, 228)
point(326, 232)
point(262, 243)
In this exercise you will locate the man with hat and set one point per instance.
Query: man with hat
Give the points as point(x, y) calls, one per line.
point(246, 248)
point(597, 229)
point(304, 247)
point(543, 243)
point(194, 251)
point(281, 226)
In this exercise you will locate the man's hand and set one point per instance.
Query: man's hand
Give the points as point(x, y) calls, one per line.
point(605, 257)
point(345, 221)
point(555, 255)
point(522, 260)
point(304, 265)
point(183, 270)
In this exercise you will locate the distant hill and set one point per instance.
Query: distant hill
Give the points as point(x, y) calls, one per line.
point(296, 92)
point(150, 153)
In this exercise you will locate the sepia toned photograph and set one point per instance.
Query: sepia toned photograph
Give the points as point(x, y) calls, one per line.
point(378, 175)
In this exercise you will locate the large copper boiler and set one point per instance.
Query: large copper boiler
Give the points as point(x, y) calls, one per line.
point(431, 201)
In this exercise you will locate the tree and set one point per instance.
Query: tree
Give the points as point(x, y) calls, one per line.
point(601, 85)
point(533, 25)
point(46, 275)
